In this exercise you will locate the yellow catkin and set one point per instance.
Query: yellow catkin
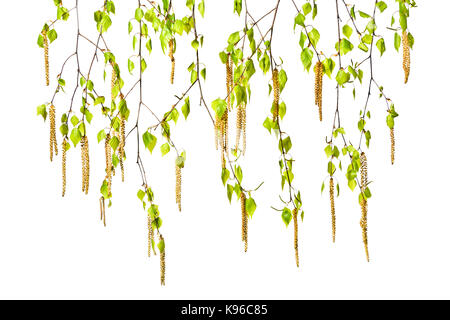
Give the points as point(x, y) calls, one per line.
point(238, 125)
point(229, 71)
point(225, 131)
point(363, 203)
point(178, 186)
point(295, 217)
point(46, 58)
point(122, 147)
point(392, 146)
point(113, 81)
point(102, 211)
point(85, 164)
point(162, 258)
point(217, 132)
point(333, 210)
point(318, 71)
point(244, 227)
point(108, 162)
point(276, 94)
point(150, 236)
point(406, 55)
point(64, 162)
point(241, 129)
point(244, 128)
point(172, 59)
point(53, 143)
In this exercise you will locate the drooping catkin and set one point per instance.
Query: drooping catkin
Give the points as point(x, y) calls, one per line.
point(122, 147)
point(238, 125)
point(276, 94)
point(46, 58)
point(318, 83)
point(102, 211)
point(295, 217)
point(150, 236)
point(363, 203)
point(53, 143)
point(406, 55)
point(162, 257)
point(241, 123)
point(64, 162)
point(244, 128)
point(108, 162)
point(178, 186)
point(85, 164)
point(113, 81)
point(333, 210)
point(229, 70)
point(392, 145)
point(244, 227)
point(172, 59)
point(217, 131)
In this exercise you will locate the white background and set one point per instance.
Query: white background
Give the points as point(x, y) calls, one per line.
point(57, 248)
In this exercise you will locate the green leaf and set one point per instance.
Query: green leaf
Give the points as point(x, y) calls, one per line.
point(342, 77)
point(141, 195)
point(139, 14)
point(149, 141)
point(219, 106)
point(307, 57)
point(201, 8)
point(75, 136)
point(381, 46)
point(286, 216)
point(397, 41)
point(101, 135)
point(381, 5)
point(234, 38)
point(186, 108)
point(230, 190)
point(225, 175)
point(314, 36)
point(165, 149)
point(42, 111)
point(347, 30)
point(300, 20)
point(250, 206)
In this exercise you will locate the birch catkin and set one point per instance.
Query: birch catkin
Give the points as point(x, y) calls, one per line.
point(162, 258)
point(276, 95)
point(113, 81)
point(150, 236)
point(46, 58)
point(172, 59)
point(392, 145)
point(363, 203)
point(85, 164)
point(406, 55)
point(244, 227)
point(108, 162)
point(295, 216)
point(102, 211)
point(241, 123)
point(178, 186)
point(318, 71)
point(64, 162)
point(122, 146)
point(229, 69)
point(53, 143)
point(333, 210)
